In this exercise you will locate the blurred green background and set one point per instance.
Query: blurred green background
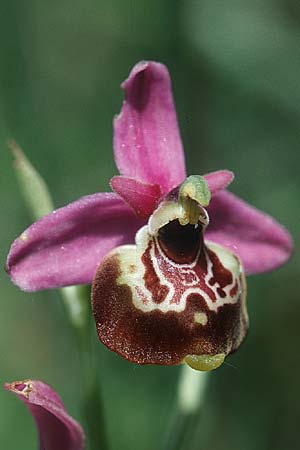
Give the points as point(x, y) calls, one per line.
point(235, 67)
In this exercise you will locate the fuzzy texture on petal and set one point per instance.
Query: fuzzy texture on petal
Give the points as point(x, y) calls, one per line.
point(261, 242)
point(147, 141)
point(218, 180)
point(65, 247)
point(142, 197)
point(57, 430)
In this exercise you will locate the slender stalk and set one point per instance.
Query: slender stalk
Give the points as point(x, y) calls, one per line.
point(178, 431)
point(92, 401)
point(38, 200)
point(76, 301)
point(190, 396)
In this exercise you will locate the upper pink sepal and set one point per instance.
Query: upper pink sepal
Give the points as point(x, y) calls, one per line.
point(218, 180)
point(65, 247)
point(261, 242)
point(142, 197)
point(147, 141)
point(57, 430)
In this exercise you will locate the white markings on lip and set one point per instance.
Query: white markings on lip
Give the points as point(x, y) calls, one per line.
point(133, 271)
point(188, 277)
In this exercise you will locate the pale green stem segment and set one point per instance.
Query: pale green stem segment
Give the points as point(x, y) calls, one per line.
point(34, 189)
point(191, 389)
point(190, 398)
point(39, 202)
point(194, 191)
point(76, 304)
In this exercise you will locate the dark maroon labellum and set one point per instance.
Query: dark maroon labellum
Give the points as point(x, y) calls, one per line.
point(170, 296)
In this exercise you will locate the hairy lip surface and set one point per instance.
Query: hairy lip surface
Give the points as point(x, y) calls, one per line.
point(157, 337)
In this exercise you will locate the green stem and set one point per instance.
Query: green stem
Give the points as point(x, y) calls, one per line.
point(76, 300)
point(178, 431)
point(190, 396)
point(79, 315)
point(92, 402)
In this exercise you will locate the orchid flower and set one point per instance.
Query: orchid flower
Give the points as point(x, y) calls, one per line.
point(168, 253)
point(57, 430)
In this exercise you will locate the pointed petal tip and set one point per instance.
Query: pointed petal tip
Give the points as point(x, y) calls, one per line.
point(275, 246)
point(147, 142)
point(21, 388)
point(142, 197)
point(281, 253)
point(218, 180)
point(228, 175)
point(258, 239)
point(65, 247)
point(22, 283)
point(14, 148)
point(17, 153)
point(137, 68)
point(142, 66)
point(18, 278)
point(57, 429)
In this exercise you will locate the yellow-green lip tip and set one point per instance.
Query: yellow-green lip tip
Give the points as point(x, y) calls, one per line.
point(205, 362)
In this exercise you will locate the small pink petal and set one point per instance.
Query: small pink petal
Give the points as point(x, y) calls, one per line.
point(57, 430)
point(261, 242)
point(66, 246)
point(218, 180)
point(142, 197)
point(147, 141)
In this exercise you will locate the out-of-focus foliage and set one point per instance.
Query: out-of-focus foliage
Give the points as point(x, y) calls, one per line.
point(256, 44)
point(235, 67)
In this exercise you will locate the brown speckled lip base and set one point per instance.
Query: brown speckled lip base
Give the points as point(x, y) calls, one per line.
point(158, 337)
